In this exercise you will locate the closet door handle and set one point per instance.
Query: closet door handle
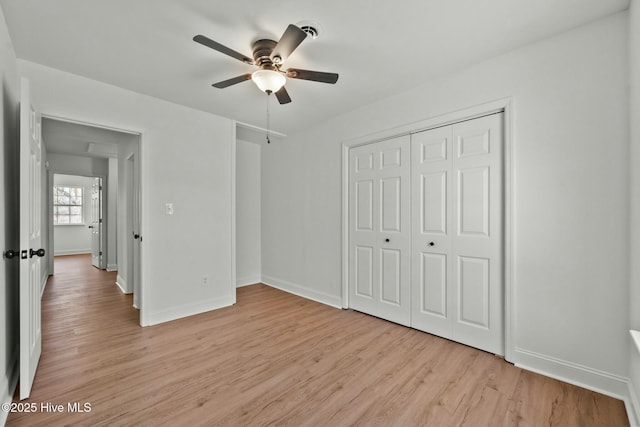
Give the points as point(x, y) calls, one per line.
point(387, 240)
point(431, 244)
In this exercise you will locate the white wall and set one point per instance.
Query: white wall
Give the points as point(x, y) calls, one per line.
point(187, 159)
point(74, 239)
point(634, 193)
point(9, 216)
point(570, 196)
point(248, 250)
point(77, 165)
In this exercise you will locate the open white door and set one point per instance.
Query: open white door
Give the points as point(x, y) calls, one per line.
point(137, 236)
point(30, 241)
point(96, 223)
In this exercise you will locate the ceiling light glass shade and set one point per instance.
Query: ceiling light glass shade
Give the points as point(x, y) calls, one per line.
point(269, 80)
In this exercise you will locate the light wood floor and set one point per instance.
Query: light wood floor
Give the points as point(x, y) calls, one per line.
point(275, 359)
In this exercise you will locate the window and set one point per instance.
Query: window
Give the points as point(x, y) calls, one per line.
point(67, 205)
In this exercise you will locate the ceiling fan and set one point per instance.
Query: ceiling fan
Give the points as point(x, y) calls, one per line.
point(269, 56)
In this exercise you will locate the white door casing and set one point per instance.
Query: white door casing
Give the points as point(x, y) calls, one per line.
point(457, 206)
point(30, 240)
point(380, 234)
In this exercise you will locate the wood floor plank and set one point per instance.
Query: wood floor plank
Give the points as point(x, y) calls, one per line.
point(275, 359)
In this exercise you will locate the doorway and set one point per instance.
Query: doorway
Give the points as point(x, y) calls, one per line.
point(79, 217)
point(111, 157)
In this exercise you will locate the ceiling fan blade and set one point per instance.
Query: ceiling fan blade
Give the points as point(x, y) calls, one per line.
point(289, 41)
point(283, 96)
point(222, 49)
point(233, 81)
point(316, 76)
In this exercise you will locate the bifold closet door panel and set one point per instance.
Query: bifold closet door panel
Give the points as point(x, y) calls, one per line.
point(457, 214)
point(432, 306)
point(380, 229)
point(478, 233)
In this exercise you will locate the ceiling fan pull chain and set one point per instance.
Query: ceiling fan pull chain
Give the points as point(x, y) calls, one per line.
point(268, 120)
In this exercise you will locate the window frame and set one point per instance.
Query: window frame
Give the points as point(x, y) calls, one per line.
point(69, 205)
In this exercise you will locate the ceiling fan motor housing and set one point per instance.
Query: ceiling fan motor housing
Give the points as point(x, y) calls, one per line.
point(262, 53)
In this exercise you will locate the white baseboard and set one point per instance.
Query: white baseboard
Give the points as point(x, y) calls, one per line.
point(573, 373)
point(112, 267)
point(71, 252)
point(11, 377)
point(247, 280)
point(43, 284)
point(303, 291)
point(122, 289)
point(122, 284)
point(187, 310)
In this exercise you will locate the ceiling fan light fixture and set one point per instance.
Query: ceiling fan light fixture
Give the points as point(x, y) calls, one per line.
point(268, 81)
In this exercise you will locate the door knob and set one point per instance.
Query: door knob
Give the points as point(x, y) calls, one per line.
point(387, 240)
point(11, 254)
point(136, 236)
point(431, 244)
point(39, 252)
point(91, 226)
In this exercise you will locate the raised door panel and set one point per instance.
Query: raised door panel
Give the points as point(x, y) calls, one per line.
point(364, 271)
point(364, 205)
point(473, 201)
point(473, 292)
point(391, 204)
point(391, 158)
point(433, 284)
point(433, 203)
point(390, 276)
point(363, 162)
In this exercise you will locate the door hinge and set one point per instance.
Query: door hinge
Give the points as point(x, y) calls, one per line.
point(100, 253)
point(100, 221)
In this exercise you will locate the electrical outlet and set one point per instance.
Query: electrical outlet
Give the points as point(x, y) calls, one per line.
point(205, 281)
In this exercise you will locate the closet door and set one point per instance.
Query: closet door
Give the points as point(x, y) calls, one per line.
point(380, 230)
point(457, 283)
point(478, 233)
point(432, 305)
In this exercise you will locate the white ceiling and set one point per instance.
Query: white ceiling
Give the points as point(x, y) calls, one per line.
point(379, 47)
point(63, 137)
